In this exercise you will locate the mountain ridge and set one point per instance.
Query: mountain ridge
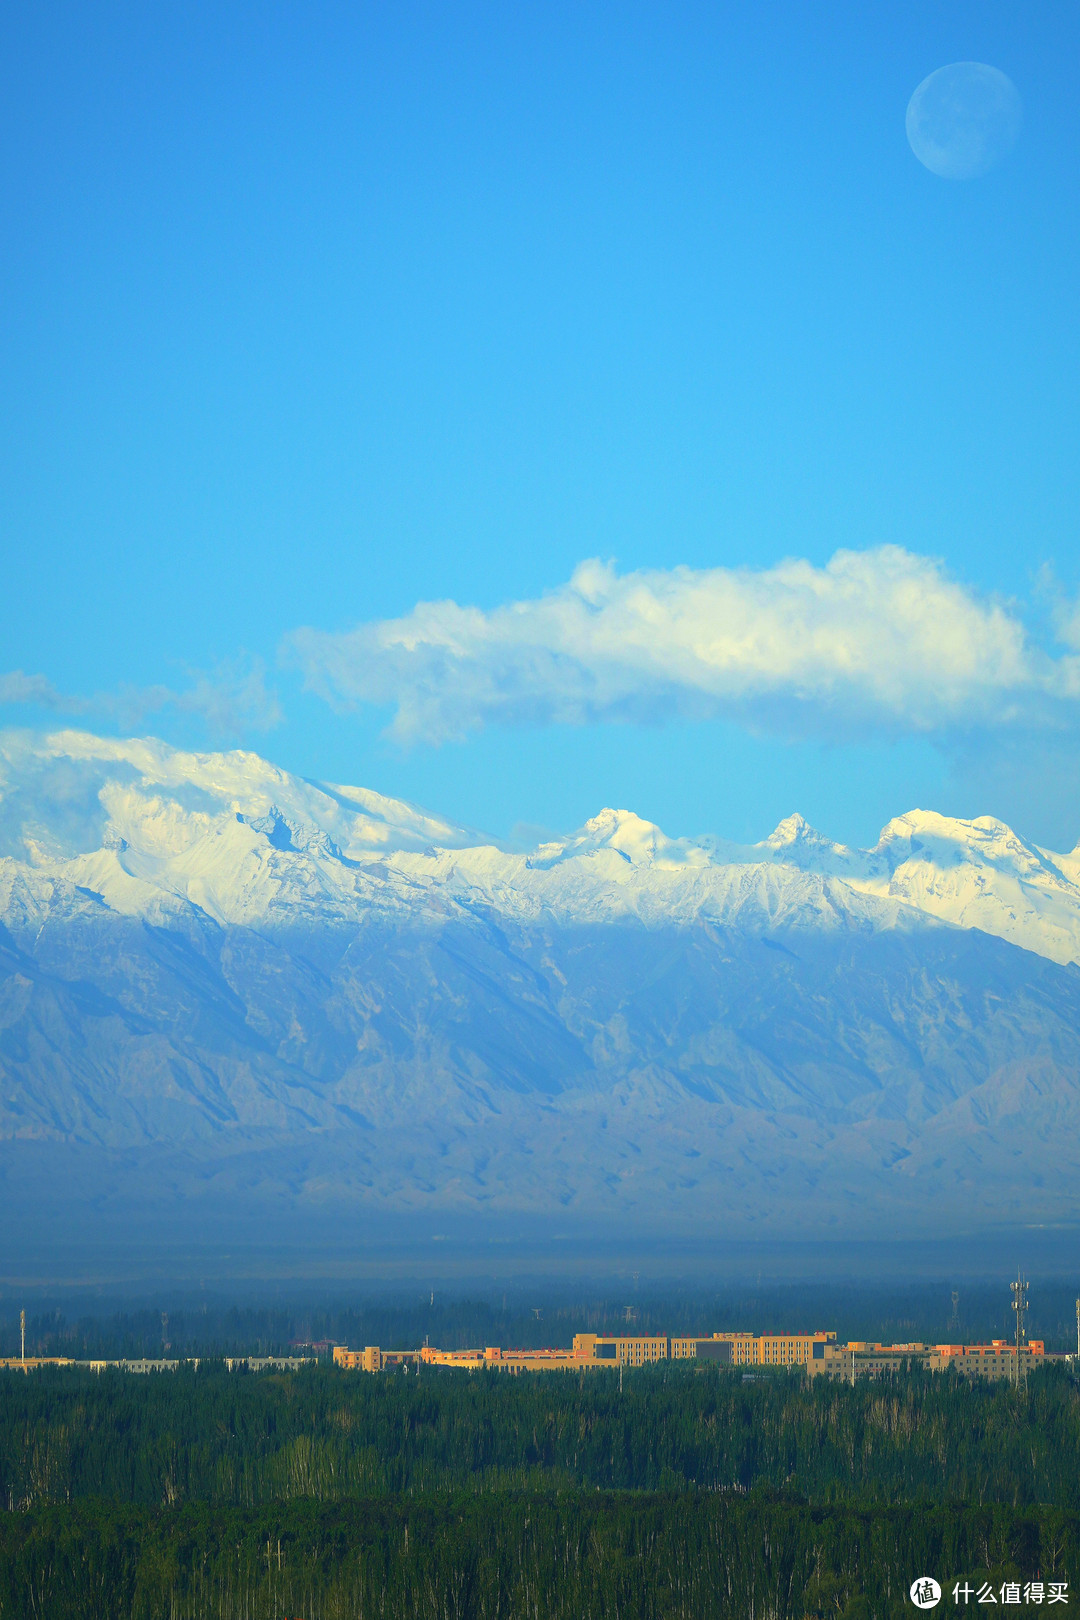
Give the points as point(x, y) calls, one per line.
point(237, 838)
point(292, 997)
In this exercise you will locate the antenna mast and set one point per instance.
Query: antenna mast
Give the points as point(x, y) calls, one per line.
point(1019, 1290)
point(22, 1330)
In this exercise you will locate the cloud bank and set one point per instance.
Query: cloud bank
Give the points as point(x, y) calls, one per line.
point(879, 640)
point(232, 700)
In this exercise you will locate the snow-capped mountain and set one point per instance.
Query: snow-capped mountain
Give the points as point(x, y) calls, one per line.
point(143, 830)
point(209, 963)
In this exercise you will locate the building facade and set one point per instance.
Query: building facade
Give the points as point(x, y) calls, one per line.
point(864, 1359)
point(818, 1353)
point(776, 1349)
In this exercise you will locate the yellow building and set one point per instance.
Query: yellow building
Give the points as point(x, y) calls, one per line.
point(617, 1351)
point(32, 1363)
point(372, 1359)
point(595, 1351)
point(471, 1360)
point(366, 1360)
point(519, 1361)
point(995, 1360)
point(861, 1358)
point(714, 1349)
point(776, 1349)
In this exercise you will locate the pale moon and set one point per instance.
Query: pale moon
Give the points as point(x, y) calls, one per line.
point(963, 119)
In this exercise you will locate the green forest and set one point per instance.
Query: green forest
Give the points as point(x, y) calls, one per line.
point(692, 1491)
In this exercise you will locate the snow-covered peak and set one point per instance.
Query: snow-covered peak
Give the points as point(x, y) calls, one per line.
point(70, 793)
point(947, 842)
point(151, 831)
point(624, 835)
point(795, 843)
point(980, 874)
point(794, 829)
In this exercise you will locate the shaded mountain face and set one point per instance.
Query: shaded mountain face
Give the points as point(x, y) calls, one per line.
point(225, 990)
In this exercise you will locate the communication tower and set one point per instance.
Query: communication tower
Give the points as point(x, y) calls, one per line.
point(1019, 1290)
point(22, 1331)
point(954, 1319)
point(1078, 1330)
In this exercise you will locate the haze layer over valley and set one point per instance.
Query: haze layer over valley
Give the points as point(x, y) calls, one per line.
point(235, 994)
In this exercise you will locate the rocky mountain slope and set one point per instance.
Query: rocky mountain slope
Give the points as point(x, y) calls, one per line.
point(223, 987)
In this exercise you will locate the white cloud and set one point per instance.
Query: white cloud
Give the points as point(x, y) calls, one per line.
point(233, 700)
point(880, 639)
point(18, 687)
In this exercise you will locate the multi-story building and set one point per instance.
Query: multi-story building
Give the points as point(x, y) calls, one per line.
point(372, 1359)
point(864, 1359)
point(997, 1359)
point(776, 1349)
point(716, 1349)
point(818, 1353)
point(860, 1358)
point(508, 1361)
point(637, 1351)
point(590, 1352)
point(369, 1360)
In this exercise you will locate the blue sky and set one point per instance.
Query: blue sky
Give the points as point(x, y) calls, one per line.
point(312, 314)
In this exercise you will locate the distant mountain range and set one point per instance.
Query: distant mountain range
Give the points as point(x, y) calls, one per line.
point(230, 991)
